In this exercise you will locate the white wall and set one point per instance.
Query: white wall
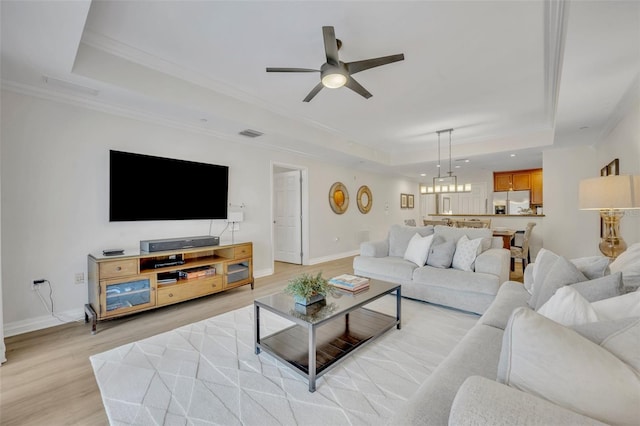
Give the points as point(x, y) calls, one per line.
point(568, 230)
point(54, 181)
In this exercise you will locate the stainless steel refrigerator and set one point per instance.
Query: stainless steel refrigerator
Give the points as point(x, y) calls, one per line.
point(511, 202)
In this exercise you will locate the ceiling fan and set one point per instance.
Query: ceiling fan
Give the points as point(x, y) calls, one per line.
point(334, 73)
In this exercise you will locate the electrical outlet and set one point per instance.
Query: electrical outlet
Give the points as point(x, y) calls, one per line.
point(79, 277)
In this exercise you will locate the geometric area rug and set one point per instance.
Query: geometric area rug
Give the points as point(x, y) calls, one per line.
point(207, 373)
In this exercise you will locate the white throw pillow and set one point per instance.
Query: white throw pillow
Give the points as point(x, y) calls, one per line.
point(568, 307)
point(418, 249)
point(554, 362)
point(466, 252)
point(614, 308)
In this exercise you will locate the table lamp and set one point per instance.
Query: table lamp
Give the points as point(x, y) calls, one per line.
point(611, 195)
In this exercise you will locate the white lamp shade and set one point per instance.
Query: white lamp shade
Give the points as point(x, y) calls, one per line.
point(235, 217)
point(610, 192)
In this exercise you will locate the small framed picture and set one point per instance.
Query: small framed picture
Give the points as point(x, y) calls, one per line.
point(403, 201)
point(410, 201)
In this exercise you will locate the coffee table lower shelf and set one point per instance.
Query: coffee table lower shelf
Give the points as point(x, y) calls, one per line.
point(334, 340)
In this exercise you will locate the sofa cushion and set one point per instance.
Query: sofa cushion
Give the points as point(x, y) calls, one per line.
point(483, 402)
point(395, 268)
point(418, 249)
point(562, 273)
point(456, 280)
point(441, 252)
point(511, 295)
point(554, 362)
point(464, 257)
point(400, 235)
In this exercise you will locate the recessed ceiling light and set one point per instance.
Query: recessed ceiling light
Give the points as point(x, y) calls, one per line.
point(512, 155)
point(423, 174)
point(467, 160)
point(457, 167)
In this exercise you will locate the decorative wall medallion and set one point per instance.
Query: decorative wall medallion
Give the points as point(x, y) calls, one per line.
point(365, 199)
point(338, 198)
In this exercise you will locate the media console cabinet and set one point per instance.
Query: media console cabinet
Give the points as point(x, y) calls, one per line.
point(139, 281)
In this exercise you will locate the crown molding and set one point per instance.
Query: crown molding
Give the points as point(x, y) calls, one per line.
point(556, 14)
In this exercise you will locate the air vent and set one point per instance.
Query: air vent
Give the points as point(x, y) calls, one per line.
point(251, 133)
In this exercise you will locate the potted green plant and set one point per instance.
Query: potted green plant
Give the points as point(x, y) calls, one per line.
point(307, 289)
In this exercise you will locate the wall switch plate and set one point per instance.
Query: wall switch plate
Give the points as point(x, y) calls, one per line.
point(79, 277)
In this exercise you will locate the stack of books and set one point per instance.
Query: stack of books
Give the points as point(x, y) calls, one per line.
point(350, 283)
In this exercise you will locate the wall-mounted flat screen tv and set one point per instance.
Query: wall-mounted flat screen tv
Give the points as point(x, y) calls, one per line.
point(144, 187)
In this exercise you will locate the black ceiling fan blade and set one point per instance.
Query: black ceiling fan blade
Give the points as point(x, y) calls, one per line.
point(330, 45)
point(356, 87)
point(313, 92)
point(366, 64)
point(291, 70)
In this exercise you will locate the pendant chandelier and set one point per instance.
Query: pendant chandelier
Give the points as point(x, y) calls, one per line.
point(446, 184)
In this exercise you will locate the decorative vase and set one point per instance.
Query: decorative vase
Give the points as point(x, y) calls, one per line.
point(308, 301)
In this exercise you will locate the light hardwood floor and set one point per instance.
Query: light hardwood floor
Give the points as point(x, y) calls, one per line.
point(48, 379)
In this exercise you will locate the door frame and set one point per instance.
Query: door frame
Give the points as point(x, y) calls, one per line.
point(304, 208)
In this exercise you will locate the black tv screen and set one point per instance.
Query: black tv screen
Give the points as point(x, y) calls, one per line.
point(143, 187)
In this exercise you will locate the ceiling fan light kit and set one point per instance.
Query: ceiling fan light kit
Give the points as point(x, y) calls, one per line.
point(334, 73)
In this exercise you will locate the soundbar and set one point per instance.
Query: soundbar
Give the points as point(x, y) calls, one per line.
point(166, 244)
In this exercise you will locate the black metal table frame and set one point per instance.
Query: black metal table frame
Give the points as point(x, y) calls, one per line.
point(312, 376)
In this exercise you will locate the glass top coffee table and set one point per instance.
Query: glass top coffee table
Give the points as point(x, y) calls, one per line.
point(326, 332)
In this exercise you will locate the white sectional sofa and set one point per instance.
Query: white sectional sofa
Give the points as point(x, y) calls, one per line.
point(469, 290)
point(518, 367)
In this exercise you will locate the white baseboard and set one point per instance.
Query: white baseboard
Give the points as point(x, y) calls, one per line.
point(263, 273)
point(336, 256)
point(39, 323)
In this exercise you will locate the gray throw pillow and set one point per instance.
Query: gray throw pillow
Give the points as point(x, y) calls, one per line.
point(441, 252)
point(593, 266)
point(562, 273)
point(600, 288)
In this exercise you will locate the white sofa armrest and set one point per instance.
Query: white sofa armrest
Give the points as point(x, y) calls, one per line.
point(528, 276)
point(481, 401)
point(375, 248)
point(494, 261)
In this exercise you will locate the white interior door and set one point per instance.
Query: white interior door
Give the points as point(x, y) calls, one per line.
point(288, 217)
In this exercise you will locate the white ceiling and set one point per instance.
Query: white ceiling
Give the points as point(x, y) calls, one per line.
point(507, 76)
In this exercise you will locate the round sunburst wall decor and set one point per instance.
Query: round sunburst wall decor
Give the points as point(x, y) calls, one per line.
point(365, 199)
point(338, 198)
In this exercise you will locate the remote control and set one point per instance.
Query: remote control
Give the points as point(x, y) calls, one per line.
point(112, 252)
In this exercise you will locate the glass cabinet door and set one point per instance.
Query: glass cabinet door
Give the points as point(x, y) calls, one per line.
point(133, 294)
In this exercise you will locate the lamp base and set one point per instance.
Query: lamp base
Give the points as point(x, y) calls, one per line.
point(611, 243)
